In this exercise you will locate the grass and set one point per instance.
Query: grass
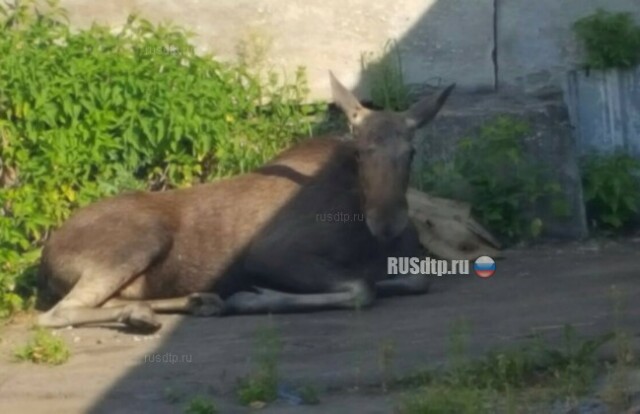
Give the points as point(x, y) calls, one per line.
point(617, 391)
point(386, 356)
point(446, 400)
point(386, 77)
point(261, 385)
point(201, 405)
point(504, 379)
point(309, 395)
point(173, 395)
point(44, 348)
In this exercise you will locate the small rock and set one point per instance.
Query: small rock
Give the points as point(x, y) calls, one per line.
point(258, 405)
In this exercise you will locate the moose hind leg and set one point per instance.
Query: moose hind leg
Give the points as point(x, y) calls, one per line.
point(82, 305)
point(98, 283)
point(137, 315)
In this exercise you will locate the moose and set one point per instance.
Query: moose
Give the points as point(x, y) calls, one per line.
point(250, 243)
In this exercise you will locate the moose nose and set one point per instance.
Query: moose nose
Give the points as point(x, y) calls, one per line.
point(387, 228)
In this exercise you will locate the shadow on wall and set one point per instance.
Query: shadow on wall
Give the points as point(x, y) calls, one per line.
point(454, 41)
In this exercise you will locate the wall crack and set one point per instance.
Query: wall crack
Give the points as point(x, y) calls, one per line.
point(494, 52)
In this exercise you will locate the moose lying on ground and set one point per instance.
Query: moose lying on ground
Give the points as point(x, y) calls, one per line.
point(254, 243)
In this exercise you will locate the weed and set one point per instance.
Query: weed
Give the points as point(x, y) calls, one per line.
point(262, 384)
point(172, 395)
point(617, 391)
point(504, 377)
point(309, 395)
point(358, 335)
point(253, 49)
point(611, 40)
point(573, 367)
point(446, 400)
point(611, 189)
point(420, 378)
point(386, 78)
point(492, 173)
point(386, 357)
point(44, 348)
point(200, 405)
point(458, 343)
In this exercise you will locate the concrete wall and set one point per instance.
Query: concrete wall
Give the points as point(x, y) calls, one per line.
point(521, 45)
point(535, 42)
point(326, 34)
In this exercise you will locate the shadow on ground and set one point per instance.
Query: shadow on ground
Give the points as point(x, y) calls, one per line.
point(536, 290)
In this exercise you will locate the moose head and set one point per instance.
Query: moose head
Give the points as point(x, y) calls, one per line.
point(384, 142)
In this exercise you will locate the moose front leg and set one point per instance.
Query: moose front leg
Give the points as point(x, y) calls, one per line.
point(351, 295)
point(403, 285)
point(318, 283)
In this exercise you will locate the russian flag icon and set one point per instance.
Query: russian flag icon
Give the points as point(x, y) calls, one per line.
point(484, 266)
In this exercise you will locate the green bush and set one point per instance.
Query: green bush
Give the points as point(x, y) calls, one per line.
point(86, 114)
point(611, 186)
point(611, 40)
point(490, 171)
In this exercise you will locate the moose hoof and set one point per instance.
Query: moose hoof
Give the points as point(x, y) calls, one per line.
point(205, 304)
point(141, 317)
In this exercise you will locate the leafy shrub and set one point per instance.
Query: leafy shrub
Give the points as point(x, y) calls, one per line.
point(86, 114)
point(611, 189)
point(491, 172)
point(611, 40)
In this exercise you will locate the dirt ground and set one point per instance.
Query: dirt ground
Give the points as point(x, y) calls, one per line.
point(538, 289)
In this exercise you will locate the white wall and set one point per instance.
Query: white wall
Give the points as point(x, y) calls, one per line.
point(441, 40)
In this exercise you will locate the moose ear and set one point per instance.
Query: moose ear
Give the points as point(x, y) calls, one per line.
point(426, 109)
point(349, 104)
